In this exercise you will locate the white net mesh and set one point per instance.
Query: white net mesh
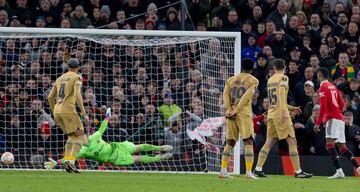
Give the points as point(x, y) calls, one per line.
point(136, 76)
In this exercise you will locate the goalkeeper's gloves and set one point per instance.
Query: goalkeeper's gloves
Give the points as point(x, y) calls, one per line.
point(50, 164)
point(108, 114)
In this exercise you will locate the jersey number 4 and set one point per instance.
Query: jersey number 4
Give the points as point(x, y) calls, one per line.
point(62, 91)
point(272, 97)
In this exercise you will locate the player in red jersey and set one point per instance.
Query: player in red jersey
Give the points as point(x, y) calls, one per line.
point(331, 107)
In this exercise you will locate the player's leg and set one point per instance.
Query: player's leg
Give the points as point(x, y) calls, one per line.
point(263, 156)
point(75, 132)
point(151, 159)
point(332, 133)
point(341, 145)
point(271, 138)
point(59, 119)
point(286, 131)
point(249, 157)
point(294, 156)
point(148, 147)
point(247, 132)
point(232, 135)
point(344, 151)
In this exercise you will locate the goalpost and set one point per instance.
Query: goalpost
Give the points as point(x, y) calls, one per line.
point(134, 73)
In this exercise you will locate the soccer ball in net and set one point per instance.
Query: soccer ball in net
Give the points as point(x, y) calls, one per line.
point(7, 158)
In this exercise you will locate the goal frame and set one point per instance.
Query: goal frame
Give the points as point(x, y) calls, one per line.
point(64, 31)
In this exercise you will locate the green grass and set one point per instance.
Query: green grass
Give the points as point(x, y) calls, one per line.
point(52, 181)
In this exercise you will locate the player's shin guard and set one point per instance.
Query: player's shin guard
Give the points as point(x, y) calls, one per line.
point(348, 154)
point(249, 157)
point(147, 147)
point(226, 156)
point(334, 156)
point(294, 156)
point(262, 157)
point(149, 159)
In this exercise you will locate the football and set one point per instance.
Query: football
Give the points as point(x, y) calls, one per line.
point(7, 158)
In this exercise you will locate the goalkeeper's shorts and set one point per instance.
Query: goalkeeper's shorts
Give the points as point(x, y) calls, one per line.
point(123, 153)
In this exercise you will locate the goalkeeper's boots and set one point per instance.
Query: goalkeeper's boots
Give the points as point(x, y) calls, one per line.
point(69, 167)
point(166, 156)
point(166, 148)
point(303, 175)
point(259, 173)
point(250, 175)
point(224, 174)
point(338, 175)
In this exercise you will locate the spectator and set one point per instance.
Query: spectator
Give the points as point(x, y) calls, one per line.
point(67, 10)
point(316, 140)
point(280, 15)
point(325, 59)
point(293, 74)
point(222, 10)
point(4, 5)
point(171, 20)
point(352, 51)
point(40, 22)
point(232, 23)
point(198, 10)
point(279, 43)
point(351, 133)
point(252, 50)
point(78, 18)
point(343, 68)
point(168, 108)
point(299, 87)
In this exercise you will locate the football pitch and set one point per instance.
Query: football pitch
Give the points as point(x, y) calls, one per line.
point(53, 181)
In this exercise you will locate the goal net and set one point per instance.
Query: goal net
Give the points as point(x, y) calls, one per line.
point(163, 88)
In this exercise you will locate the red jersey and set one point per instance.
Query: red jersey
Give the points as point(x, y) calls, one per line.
point(331, 103)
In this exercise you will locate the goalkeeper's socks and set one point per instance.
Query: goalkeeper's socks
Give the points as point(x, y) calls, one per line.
point(147, 147)
point(149, 159)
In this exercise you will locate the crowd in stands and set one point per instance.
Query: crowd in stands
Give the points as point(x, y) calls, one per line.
point(147, 87)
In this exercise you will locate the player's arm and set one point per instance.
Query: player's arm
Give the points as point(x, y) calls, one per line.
point(246, 97)
point(79, 99)
point(297, 110)
point(323, 106)
point(283, 86)
point(51, 97)
point(105, 122)
point(227, 97)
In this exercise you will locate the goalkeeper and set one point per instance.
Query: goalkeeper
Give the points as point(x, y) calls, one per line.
point(117, 153)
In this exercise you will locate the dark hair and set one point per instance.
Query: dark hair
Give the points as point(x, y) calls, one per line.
point(324, 72)
point(279, 64)
point(247, 64)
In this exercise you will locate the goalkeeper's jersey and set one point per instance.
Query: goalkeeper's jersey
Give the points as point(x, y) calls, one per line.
point(97, 150)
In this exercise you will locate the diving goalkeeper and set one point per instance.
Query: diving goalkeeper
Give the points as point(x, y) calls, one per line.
point(116, 153)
